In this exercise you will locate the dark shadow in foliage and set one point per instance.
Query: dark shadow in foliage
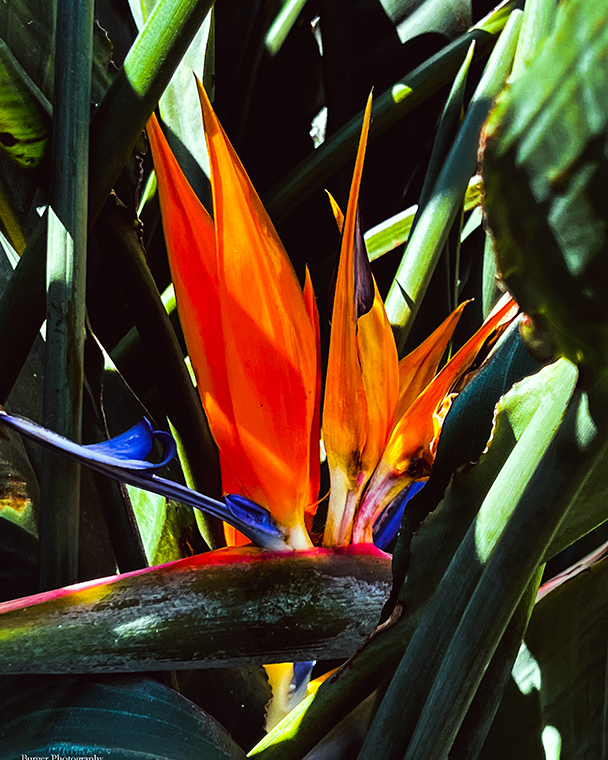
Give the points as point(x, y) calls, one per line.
point(236, 697)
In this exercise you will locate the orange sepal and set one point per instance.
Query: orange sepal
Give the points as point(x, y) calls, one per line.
point(410, 452)
point(315, 431)
point(270, 348)
point(418, 368)
point(190, 237)
point(362, 377)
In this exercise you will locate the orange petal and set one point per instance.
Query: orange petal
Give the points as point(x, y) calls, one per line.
point(362, 377)
point(337, 211)
point(190, 237)
point(417, 369)
point(270, 348)
point(410, 452)
point(315, 470)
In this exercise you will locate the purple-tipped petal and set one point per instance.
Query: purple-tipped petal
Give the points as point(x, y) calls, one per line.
point(364, 282)
point(113, 458)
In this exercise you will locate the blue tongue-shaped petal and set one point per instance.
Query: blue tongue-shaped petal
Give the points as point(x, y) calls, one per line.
point(126, 450)
point(133, 446)
point(121, 458)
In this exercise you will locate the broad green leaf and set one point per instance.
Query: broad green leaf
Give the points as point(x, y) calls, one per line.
point(561, 474)
point(111, 716)
point(232, 607)
point(545, 148)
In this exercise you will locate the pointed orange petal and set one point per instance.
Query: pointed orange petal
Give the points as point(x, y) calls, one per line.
point(410, 451)
point(190, 237)
point(417, 369)
point(380, 370)
point(362, 375)
point(315, 469)
point(270, 345)
point(336, 210)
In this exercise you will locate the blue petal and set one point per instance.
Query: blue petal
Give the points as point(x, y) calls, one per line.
point(126, 450)
point(113, 458)
point(301, 673)
point(387, 526)
point(134, 446)
point(248, 511)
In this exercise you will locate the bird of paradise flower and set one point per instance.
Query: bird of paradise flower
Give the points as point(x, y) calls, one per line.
point(253, 338)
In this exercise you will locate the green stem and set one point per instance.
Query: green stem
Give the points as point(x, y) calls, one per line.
point(65, 288)
point(115, 128)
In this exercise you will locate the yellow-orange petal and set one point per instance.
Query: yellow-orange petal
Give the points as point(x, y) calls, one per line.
point(410, 451)
point(270, 348)
point(315, 430)
point(362, 374)
point(418, 368)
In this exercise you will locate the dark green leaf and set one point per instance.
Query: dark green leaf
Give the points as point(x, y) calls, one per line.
point(113, 717)
point(558, 691)
point(545, 173)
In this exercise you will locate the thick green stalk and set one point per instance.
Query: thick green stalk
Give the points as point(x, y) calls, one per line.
point(115, 128)
point(481, 713)
point(65, 289)
point(432, 229)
